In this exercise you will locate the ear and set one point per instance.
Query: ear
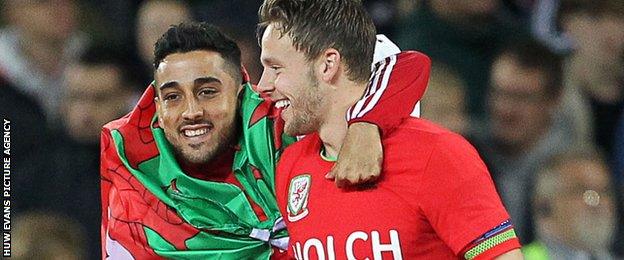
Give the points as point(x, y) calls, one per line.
point(158, 111)
point(329, 66)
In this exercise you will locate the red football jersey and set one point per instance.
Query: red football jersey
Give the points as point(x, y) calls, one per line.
point(436, 200)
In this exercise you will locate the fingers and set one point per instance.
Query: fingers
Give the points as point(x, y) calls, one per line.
point(345, 177)
point(370, 178)
point(348, 181)
point(341, 183)
point(355, 183)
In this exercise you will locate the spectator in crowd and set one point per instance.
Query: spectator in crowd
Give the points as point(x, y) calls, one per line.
point(443, 102)
point(522, 133)
point(465, 34)
point(594, 73)
point(62, 173)
point(46, 236)
point(574, 209)
point(153, 19)
point(40, 39)
point(98, 89)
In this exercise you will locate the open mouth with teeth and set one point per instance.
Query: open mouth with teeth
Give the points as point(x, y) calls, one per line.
point(196, 132)
point(193, 133)
point(282, 104)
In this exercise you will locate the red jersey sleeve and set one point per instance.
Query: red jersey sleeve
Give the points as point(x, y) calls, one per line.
point(396, 86)
point(459, 199)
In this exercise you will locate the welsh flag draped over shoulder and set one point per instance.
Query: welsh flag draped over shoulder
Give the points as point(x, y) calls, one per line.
point(151, 209)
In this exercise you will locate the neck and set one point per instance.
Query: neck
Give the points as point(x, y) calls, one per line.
point(217, 169)
point(334, 127)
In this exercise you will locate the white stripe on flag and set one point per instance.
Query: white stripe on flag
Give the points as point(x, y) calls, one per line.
point(384, 84)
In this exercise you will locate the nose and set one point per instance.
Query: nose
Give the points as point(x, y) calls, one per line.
point(193, 111)
point(266, 86)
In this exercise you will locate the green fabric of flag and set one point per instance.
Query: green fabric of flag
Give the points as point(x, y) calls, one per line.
point(228, 228)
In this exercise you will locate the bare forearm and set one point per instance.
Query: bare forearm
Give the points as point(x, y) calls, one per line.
point(515, 254)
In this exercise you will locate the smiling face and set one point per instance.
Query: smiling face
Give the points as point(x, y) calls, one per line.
point(290, 80)
point(197, 104)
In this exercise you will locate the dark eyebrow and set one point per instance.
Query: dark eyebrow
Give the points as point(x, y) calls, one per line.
point(206, 80)
point(170, 84)
point(198, 81)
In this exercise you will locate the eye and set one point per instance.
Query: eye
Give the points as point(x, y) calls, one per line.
point(275, 68)
point(208, 92)
point(171, 97)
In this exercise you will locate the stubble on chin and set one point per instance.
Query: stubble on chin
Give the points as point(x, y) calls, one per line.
point(202, 153)
point(306, 120)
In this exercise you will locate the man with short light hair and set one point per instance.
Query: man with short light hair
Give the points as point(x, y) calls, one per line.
point(435, 199)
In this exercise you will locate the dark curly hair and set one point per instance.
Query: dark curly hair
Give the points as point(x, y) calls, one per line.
point(193, 36)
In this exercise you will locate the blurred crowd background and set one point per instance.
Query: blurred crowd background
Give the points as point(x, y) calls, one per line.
point(537, 86)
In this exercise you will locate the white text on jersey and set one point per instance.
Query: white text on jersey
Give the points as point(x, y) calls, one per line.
point(326, 251)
